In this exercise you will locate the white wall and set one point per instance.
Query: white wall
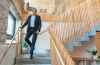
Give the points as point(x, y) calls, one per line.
point(43, 40)
point(10, 25)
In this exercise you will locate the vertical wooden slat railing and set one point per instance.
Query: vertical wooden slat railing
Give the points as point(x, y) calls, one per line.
point(79, 20)
point(60, 56)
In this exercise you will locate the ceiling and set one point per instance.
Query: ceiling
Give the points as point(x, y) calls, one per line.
point(54, 6)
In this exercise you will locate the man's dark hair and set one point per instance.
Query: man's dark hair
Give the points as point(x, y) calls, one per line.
point(32, 9)
point(35, 9)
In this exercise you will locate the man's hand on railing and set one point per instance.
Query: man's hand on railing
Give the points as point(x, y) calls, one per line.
point(20, 28)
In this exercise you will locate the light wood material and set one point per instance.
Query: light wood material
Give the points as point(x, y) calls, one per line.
point(18, 43)
point(97, 41)
point(87, 11)
point(53, 54)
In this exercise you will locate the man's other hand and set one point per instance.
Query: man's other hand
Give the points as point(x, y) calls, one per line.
point(37, 32)
point(20, 28)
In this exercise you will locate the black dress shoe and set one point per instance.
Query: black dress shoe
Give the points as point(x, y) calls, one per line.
point(31, 56)
point(94, 52)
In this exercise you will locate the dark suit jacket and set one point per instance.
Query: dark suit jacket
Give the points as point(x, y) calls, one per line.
point(37, 23)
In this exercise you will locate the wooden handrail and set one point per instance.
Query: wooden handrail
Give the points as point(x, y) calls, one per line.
point(64, 55)
point(56, 53)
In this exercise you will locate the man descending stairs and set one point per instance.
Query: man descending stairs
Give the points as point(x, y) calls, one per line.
point(41, 55)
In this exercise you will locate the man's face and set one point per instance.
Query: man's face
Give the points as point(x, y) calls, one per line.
point(34, 12)
point(30, 12)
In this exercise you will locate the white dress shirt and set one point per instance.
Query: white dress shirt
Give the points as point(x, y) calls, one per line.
point(32, 21)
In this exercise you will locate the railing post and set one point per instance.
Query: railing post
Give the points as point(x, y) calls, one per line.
point(18, 43)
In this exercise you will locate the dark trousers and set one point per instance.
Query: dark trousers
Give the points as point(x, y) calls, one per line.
point(31, 32)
